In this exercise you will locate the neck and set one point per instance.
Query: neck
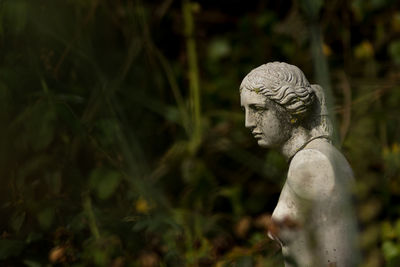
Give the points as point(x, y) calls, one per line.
point(299, 138)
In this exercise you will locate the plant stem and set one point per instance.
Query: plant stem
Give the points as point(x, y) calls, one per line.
point(175, 90)
point(311, 9)
point(87, 206)
point(194, 84)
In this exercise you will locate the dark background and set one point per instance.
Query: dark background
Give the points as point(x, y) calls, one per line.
point(122, 142)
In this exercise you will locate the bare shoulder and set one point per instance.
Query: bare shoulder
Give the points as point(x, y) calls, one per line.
point(311, 174)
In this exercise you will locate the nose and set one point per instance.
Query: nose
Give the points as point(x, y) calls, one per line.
point(249, 119)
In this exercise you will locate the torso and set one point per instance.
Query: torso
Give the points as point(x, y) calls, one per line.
point(315, 196)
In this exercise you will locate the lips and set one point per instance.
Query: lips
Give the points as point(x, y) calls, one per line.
point(257, 135)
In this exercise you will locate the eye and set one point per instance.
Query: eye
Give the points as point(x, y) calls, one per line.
point(258, 107)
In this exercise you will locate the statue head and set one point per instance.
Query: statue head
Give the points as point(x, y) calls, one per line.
point(278, 98)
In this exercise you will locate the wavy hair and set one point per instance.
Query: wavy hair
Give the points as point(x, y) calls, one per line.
point(287, 86)
point(282, 83)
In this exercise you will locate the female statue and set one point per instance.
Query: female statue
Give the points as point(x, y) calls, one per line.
point(283, 111)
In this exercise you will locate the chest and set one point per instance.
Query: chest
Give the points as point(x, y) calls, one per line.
point(288, 207)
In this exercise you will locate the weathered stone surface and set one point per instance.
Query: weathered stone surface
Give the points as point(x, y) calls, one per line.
point(314, 212)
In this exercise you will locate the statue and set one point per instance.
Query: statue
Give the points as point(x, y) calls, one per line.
point(313, 221)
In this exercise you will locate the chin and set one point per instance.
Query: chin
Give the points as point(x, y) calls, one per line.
point(263, 144)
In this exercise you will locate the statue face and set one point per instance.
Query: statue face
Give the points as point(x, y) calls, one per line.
point(269, 126)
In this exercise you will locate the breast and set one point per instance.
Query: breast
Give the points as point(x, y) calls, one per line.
point(287, 206)
point(286, 217)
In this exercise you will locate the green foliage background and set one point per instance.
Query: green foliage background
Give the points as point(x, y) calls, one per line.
point(122, 142)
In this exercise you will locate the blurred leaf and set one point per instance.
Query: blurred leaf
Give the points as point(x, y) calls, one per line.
point(369, 210)
point(312, 7)
point(142, 206)
point(357, 8)
point(376, 4)
point(10, 248)
point(5, 101)
point(390, 250)
point(17, 14)
point(43, 128)
point(105, 182)
point(54, 180)
point(172, 114)
point(219, 48)
point(266, 19)
point(370, 236)
point(394, 51)
point(364, 50)
point(242, 227)
point(387, 230)
point(17, 220)
point(396, 22)
point(33, 237)
point(289, 49)
point(233, 193)
point(397, 229)
point(77, 223)
point(31, 166)
point(82, 3)
point(31, 263)
point(107, 131)
point(326, 50)
point(45, 217)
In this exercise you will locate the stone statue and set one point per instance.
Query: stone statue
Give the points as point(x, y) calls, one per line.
point(313, 221)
